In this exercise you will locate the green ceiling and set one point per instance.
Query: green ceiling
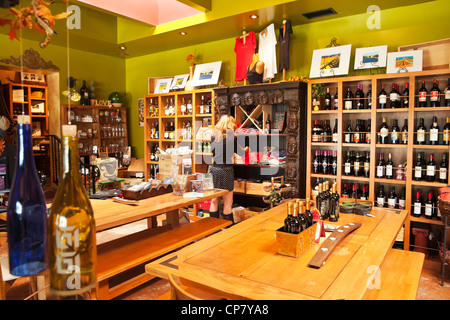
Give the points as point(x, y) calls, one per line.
point(103, 32)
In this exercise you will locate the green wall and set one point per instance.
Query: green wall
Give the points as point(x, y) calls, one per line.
point(400, 26)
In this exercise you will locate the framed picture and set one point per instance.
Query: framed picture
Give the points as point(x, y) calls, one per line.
point(330, 62)
point(405, 61)
point(179, 82)
point(207, 74)
point(163, 85)
point(141, 112)
point(370, 57)
point(279, 121)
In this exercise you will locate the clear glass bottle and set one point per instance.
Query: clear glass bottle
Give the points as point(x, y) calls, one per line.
point(26, 211)
point(71, 229)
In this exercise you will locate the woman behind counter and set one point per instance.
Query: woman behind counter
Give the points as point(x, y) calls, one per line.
point(223, 145)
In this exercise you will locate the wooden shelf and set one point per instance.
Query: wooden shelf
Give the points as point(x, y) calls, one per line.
point(401, 153)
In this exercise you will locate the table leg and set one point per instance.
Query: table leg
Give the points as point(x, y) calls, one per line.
point(173, 218)
point(152, 222)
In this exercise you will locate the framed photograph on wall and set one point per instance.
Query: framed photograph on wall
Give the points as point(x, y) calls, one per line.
point(207, 74)
point(370, 57)
point(329, 62)
point(405, 61)
point(179, 82)
point(163, 85)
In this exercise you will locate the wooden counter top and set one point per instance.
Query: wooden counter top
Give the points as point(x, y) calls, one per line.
point(243, 259)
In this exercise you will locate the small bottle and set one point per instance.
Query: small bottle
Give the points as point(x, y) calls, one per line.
point(382, 98)
point(392, 199)
point(308, 215)
point(434, 132)
point(420, 138)
point(417, 205)
point(423, 95)
point(348, 103)
point(287, 221)
point(435, 95)
point(334, 204)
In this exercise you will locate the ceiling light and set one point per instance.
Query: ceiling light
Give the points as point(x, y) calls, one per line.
point(254, 16)
point(183, 33)
point(123, 47)
point(320, 13)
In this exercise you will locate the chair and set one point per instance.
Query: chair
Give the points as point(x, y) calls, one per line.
point(183, 289)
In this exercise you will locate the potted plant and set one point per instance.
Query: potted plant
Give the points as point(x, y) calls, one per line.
point(317, 93)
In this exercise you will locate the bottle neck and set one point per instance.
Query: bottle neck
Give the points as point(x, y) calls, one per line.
point(70, 160)
point(25, 157)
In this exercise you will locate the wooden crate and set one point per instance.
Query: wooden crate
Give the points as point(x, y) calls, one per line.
point(240, 186)
point(166, 161)
point(259, 189)
point(293, 245)
point(436, 54)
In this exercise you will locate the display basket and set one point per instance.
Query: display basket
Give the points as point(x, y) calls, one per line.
point(444, 207)
point(290, 244)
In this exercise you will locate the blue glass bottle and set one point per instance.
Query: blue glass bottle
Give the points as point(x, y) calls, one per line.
point(27, 211)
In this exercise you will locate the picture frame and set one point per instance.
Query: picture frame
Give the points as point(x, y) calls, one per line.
point(141, 112)
point(179, 82)
point(279, 121)
point(163, 85)
point(207, 74)
point(371, 57)
point(404, 61)
point(329, 62)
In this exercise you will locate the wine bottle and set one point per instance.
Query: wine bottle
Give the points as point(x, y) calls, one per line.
point(393, 97)
point(417, 207)
point(447, 94)
point(317, 132)
point(202, 105)
point(384, 132)
point(268, 126)
point(287, 221)
point(328, 100)
point(395, 133)
point(392, 199)
point(336, 99)
point(405, 96)
point(357, 166)
point(434, 132)
point(157, 130)
point(308, 215)
point(405, 132)
point(334, 163)
point(431, 169)
point(348, 103)
point(357, 133)
point(295, 222)
point(335, 131)
point(369, 131)
point(367, 165)
point(327, 193)
point(420, 138)
point(316, 162)
point(381, 167)
point(166, 108)
point(402, 200)
point(348, 166)
point(348, 138)
point(71, 234)
point(382, 97)
point(446, 132)
point(26, 211)
point(325, 161)
point(435, 95)
point(319, 199)
point(84, 95)
point(419, 169)
point(369, 97)
point(189, 106)
point(443, 169)
point(429, 206)
point(301, 216)
point(423, 95)
point(389, 168)
point(171, 131)
point(381, 197)
point(359, 97)
point(334, 204)
point(156, 109)
point(183, 107)
point(326, 133)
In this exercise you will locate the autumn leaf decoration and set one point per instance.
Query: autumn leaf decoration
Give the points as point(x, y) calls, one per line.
point(37, 16)
point(191, 57)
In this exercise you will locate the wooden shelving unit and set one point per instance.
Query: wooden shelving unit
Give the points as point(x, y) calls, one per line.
point(400, 153)
point(201, 124)
point(100, 128)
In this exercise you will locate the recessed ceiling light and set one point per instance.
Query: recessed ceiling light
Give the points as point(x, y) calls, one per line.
point(254, 16)
point(183, 33)
point(320, 13)
point(123, 47)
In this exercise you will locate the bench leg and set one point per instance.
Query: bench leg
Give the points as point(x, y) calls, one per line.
point(173, 218)
point(101, 291)
point(152, 222)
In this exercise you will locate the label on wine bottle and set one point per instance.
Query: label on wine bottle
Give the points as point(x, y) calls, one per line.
point(434, 134)
point(392, 203)
point(443, 173)
point(389, 170)
point(417, 208)
point(420, 135)
point(446, 135)
point(335, 137)
point(447, 94)
point(422, 96)
point(401, 204)
point(380, 201)
point(418, 172)
point(434, 96)
point(431, 170)
point(382, 99)
point(393, 96)
point(347, 168)
point(384, 132)
point(428, 209)
point(348, 105)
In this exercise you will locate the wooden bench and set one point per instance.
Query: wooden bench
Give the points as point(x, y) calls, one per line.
point(399, 276)
point(121, 262)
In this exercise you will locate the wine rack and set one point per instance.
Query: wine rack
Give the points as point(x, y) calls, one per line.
point(401, 153)
point(199, 118)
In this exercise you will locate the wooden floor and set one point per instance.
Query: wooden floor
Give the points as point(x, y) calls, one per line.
point(429, 288)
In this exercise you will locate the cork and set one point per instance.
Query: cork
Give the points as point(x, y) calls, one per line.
point(22, 119)
point(69, 131)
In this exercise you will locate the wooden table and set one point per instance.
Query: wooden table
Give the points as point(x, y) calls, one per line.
point(109, 214)
point(243, 259)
